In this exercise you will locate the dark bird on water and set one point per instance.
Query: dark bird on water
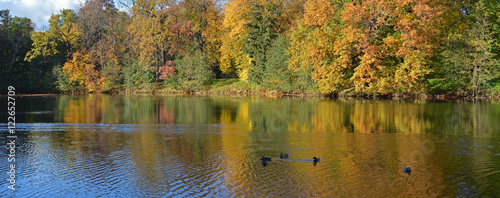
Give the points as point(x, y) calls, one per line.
point(264, 163)
point(315, 159)
point(265, 158)
point(407, 170)
point(284, 156)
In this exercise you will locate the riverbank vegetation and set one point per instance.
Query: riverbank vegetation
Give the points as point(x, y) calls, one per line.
point(367, 47)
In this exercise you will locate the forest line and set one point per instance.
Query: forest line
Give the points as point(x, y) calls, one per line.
point(292, 46)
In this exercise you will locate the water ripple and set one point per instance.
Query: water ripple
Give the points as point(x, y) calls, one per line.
point(153, 160)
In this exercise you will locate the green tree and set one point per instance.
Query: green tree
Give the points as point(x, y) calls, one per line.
point(277, 75)
point(469, 58)
point(193, 71)
point(129, 72)
point(262, 31)
point(15, 42)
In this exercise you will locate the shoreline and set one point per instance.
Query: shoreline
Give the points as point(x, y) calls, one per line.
point(272, 94)
point(235, 88)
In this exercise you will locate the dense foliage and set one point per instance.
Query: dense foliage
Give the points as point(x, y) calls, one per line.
point(327, 46)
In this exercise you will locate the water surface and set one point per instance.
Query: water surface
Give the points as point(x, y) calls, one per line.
point(152, 146)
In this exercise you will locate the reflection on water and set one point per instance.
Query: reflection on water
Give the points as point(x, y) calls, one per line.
point(115, 146)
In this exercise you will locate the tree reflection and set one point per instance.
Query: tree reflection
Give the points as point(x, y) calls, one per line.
point(171, 138)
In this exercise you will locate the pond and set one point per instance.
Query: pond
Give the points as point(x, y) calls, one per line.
point(168, 146)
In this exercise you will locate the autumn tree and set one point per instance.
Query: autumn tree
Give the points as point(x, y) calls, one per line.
point(418, 23)
point(102, 38)
point(374, 46)
point(61, 39)
point(206, 18)
point(394, 41)
point(57, 44)
point(492, 14)
point(118, 44)
point(81, 71)
point(236, 17)
point(148, 37)
point(178, 39)
point(354, 46)
point(94, 19)
point(364, 23)
point(317, 46)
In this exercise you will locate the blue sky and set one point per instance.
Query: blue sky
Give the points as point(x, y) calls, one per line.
point(38, 11)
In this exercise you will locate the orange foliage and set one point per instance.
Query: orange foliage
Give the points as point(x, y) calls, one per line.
point(404, 30)
point(81, 71)
point(380, 46)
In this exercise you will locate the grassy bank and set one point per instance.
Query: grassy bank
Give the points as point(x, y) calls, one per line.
point(231, 87)
point(235, 87)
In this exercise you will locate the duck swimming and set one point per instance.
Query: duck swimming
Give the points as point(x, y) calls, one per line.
point(284, 156)
point(315, 160)
point(264, 163)
point(265, 158)
point(407, 170)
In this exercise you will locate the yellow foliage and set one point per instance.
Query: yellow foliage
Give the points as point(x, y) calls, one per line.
point(212, 34)
point(383, 45)
point(317, 12)
point(316, 43)
point(237, 15)
point(63, 32)
point(148, 32)
point(75, 68)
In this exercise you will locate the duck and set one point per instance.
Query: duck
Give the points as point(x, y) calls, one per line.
point(284, 156)
point(407, 170)
point(315, 159)
point(264, 163)
point(265, 159)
